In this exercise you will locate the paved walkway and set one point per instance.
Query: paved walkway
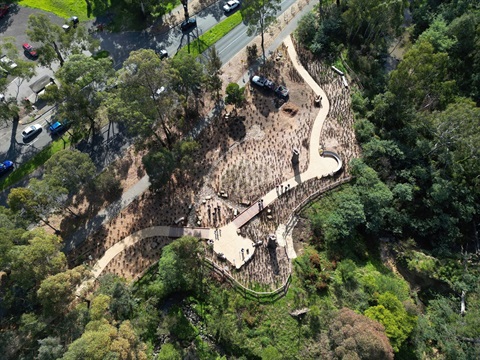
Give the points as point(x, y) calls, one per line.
point(227, 240)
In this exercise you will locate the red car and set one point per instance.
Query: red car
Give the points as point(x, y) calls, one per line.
point(30, 50)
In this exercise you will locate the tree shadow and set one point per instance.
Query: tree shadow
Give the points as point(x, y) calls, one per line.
point(272, 251)
point(13, 150)
point(214, 9)
point(236, 128)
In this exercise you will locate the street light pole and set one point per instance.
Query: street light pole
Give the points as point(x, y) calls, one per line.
point(185, 9)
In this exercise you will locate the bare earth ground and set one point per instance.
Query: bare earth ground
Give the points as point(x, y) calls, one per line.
point(244, 157)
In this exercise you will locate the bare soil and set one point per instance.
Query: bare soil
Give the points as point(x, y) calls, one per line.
point(242, 156)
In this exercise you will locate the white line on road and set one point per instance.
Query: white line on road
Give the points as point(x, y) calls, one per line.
point(241, 35)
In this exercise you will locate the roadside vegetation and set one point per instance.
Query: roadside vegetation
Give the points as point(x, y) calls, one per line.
point(210, 37)
point(63, 9)
point(34, 163)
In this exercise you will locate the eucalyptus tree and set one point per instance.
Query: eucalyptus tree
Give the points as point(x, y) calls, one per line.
point(374, 21)
point(83, 86)
point(259, 15)
point(145, 98)
point(70, 169)
point(56, 44)
point(187, 75)
point(213, 67)
point(32, 206)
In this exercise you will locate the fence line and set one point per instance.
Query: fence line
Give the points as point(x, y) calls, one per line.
point(258, 295)
point(319, 192)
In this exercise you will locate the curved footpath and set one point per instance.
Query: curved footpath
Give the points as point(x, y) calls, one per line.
point(236, 248)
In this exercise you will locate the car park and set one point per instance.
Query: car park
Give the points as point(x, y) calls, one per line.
point(263, 82)
point(29, 50)
point(5, 167)
point(7, 63)
point(231, 5)
point(31, 131)
point(188, 24)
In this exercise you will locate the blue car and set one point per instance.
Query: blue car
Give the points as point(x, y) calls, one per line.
point(57, 127)
point(6, 166)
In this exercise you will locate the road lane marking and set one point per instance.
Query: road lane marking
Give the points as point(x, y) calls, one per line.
point(241, 35)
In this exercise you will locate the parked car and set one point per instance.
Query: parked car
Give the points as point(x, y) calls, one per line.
point(7, 63)
point(31, 131)
point(29, 50)
point(281, 91)
point(231, 5)
point(188, 24)
point(263, 82)
point(5, 167)
point(58, 126)
point(162, 54)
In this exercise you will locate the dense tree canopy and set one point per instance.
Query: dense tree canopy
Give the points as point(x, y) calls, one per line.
point(357, 337)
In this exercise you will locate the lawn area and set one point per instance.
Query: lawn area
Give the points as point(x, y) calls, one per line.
point(31, 165)
point(213, 35)
point(61, 8)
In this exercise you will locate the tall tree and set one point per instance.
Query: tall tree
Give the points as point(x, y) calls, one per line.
point(145, 97)
point(55, 42)
point(84, 83)
point(187, 78)
point(259, 15)
point(70, 169)
point(422, 79)
point(235, 94)
point(57, 291)
point(355, 336)
point(32, 263)
point(374, 21)
point(212, 72)
point(32, 206)
point(391, 313)
point(101, 340)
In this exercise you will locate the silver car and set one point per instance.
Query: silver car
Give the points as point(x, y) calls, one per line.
point(231, 5)
point(30, 131)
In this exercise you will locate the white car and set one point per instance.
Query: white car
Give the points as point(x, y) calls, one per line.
point(263, 82)
point(8, 64)
point(231, 5)
point(31, 131)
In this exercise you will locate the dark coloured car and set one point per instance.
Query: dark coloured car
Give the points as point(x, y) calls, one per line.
point(29, 50)
point(281, 92)
point(188, 24)
point(263, 82)
point(5, 167)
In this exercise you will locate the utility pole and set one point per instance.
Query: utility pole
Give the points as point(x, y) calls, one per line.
point(185, 9)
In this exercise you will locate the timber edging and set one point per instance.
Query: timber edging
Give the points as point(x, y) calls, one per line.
point(268, 296)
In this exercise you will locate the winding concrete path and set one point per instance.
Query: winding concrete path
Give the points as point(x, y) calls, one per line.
point(226, 240)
